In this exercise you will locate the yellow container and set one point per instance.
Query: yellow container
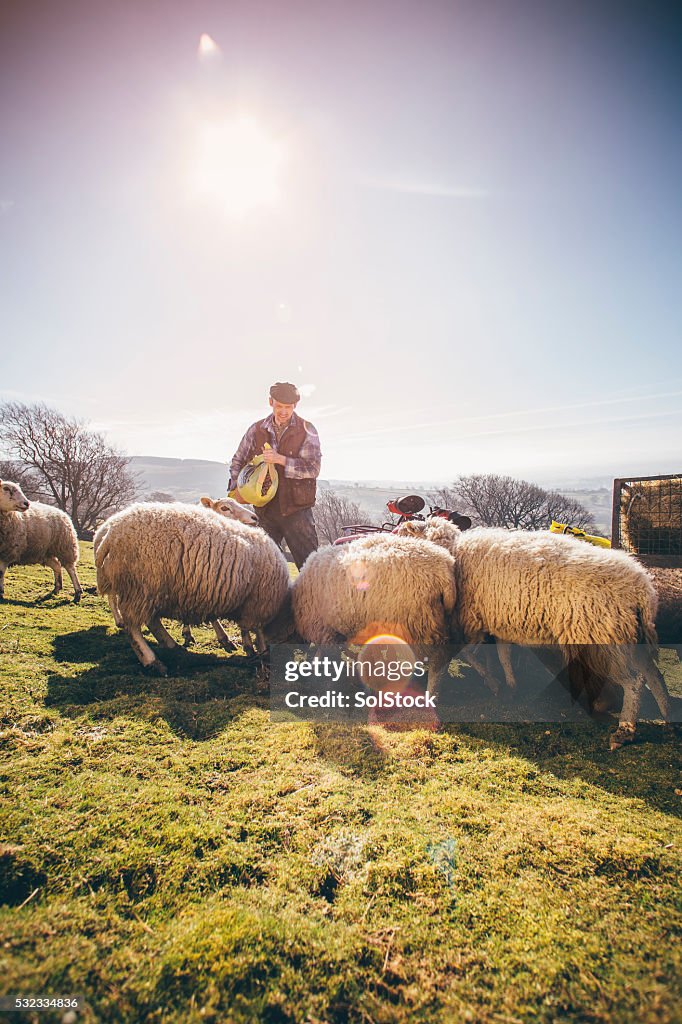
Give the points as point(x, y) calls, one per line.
point(574, 531)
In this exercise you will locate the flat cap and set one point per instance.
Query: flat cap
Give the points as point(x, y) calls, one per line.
point(284, 392)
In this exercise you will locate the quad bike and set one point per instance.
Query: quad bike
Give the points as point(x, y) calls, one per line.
point(406, 508)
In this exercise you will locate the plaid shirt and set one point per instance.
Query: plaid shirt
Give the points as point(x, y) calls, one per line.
point(304, 466)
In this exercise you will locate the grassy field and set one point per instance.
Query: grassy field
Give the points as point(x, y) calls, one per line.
point(172, 855)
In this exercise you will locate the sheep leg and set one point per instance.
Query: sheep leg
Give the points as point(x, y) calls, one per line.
point(504, 654)
point(54, 564)
point(598, 695)
point(144, 652)
point(223, 638)
point(483, 670)
point(261, 645)
point(113, 606)
point(597, 671)
point(77, 589)
point(627, 725)
point(3, 567)
point(187, 635)
point(654, 680)
point(161, 633)
point(247, 643)
point(576, 677)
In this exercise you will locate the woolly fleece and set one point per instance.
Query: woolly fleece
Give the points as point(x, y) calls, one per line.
point(39, 533)
point(381, 582)
point(543, 588)
point(189, 563)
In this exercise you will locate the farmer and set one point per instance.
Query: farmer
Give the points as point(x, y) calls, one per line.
point(295, 451)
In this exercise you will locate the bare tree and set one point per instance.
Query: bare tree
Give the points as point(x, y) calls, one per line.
point(492, 500)
point(332, 511)
point(23, 476)
point(569, 511)
point(74, 467)
point(164, 496)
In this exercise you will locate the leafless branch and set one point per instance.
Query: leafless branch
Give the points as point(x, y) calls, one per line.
point(70, 465)
point(333, 511)
point(492, 500)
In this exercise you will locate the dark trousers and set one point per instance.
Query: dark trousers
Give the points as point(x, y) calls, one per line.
point(298, 530)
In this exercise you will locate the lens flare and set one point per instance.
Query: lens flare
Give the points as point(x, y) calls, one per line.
point(207, 47)
point(387, 661)
point(387, 639)
point(357, 574)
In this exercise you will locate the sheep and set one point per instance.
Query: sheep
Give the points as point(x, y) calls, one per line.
point(668, 583)
point(186, 562)
point(542, 588)
point(231, 509)
point(32, 533)
point(379, 584)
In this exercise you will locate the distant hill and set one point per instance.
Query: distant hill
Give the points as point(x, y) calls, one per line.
point(188, 479)
point(184, 479)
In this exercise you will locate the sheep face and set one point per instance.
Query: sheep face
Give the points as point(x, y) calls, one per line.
point(438, 531)
point(12, 498)
point(231, 509)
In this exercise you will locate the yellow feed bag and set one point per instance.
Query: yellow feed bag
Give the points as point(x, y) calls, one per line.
point(257, 482)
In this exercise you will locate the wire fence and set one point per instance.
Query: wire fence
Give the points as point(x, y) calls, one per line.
point(647, 517)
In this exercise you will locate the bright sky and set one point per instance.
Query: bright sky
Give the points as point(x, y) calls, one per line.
point(455, 225)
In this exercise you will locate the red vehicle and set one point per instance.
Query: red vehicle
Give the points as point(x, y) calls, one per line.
point(408, 507)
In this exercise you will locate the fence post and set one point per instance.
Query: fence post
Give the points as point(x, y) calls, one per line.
point(615, 515)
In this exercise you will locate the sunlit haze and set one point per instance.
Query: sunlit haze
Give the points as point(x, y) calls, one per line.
point(236, 166)
point(454, 225)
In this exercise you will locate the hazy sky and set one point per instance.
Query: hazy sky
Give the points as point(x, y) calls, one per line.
point(455, 225)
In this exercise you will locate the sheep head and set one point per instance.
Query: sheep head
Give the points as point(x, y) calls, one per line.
point(231, 509)
point(12, 498)
point(437, 530)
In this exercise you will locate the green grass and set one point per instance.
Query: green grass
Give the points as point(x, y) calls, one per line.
point(173, 855)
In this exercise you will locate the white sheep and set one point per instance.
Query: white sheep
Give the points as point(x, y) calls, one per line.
point(379, 584)
point(32, 533)
point(541, 588)
point(231, 509)
point(188, 563)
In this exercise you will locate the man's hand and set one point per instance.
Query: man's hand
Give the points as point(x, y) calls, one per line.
point(274, 458)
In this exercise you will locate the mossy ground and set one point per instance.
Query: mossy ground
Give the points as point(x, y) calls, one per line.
point(174, 856)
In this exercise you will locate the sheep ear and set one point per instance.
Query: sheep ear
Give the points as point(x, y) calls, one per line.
point(206, 502)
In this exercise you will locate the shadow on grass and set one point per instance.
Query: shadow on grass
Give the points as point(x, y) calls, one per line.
point(578, 746)
point(647, 770)
point(204, 693)
point(59, 599)
point(199, 697)
point(351, 748)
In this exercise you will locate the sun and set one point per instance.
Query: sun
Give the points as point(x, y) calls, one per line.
point(237, 165)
